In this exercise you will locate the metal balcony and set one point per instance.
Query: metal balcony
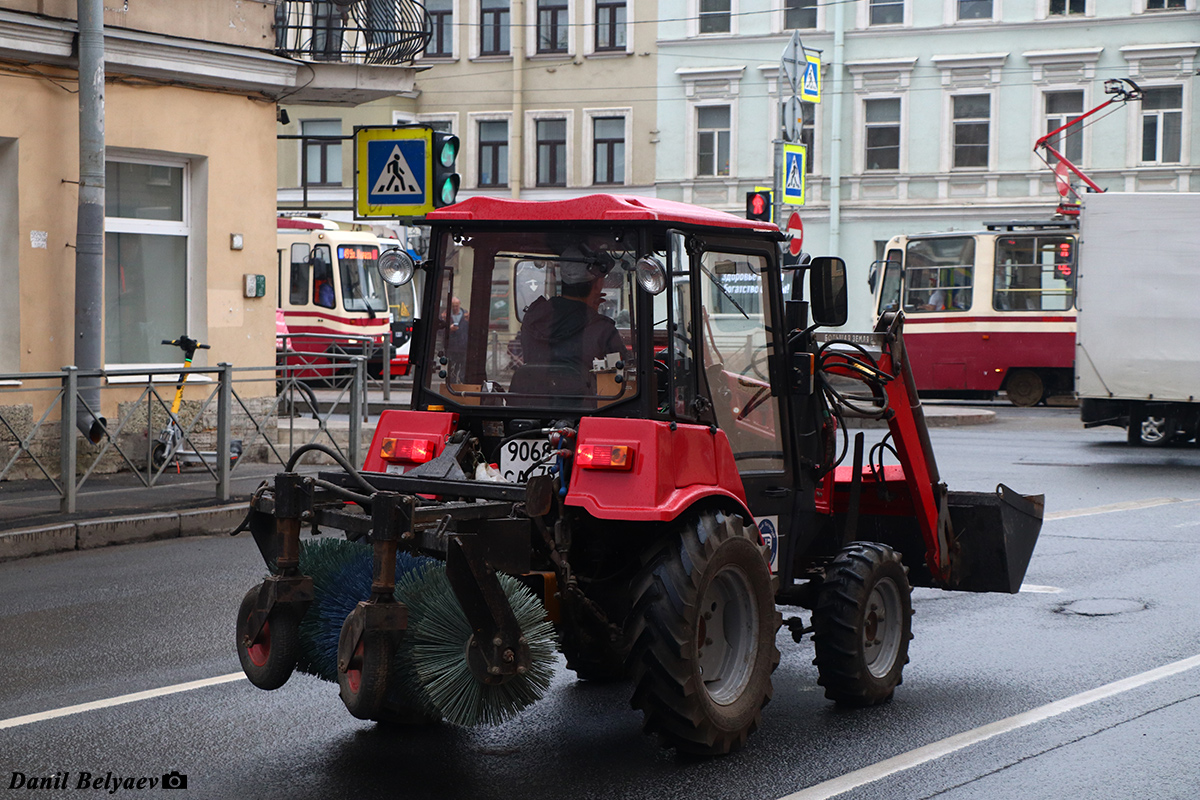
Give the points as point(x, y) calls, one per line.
point(351, 31)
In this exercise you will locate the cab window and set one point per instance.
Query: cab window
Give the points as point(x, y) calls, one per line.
point(1034, 273)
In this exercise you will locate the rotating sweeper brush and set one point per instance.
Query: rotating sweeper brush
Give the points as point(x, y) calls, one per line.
point(388, 627)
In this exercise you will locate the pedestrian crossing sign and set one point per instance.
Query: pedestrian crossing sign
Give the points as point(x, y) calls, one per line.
point(810, 82)
point(392, 172)
point(795, 162)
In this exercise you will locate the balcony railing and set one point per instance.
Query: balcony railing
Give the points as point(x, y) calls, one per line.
point(351, 31)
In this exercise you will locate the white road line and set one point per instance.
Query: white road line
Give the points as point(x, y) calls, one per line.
point(1131, 505)
point(41, 716)
point(931, 752)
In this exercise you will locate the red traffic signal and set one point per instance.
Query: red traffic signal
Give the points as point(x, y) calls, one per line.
point(758, 205)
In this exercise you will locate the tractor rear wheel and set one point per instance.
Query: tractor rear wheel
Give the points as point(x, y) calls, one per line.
point(270, 658)
point(703, 627)
point(862, 625)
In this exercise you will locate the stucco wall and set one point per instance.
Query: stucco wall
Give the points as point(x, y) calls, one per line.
point(246, 23)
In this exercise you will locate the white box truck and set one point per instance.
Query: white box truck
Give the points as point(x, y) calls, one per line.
point(1137, 344)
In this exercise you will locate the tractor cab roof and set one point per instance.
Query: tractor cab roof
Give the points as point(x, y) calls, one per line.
point(594, 208)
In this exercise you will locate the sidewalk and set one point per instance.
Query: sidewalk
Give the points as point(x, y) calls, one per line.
point(118, 509)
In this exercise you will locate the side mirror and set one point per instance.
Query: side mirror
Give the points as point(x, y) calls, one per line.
point(827, 291)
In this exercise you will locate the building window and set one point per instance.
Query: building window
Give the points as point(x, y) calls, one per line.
point(883, 133)
point(715, 16)
point(322, 162)
point(886, 12)
point(1061, 108)
point(493, 27)
point(1165, 5)
point(551, 152)
point(974, 9)
point(1063, 8)
point(799, 14)
point(972, 114)
point(712, 140)
point(608, 150)
point(441, 19)
point(610, 25)
point(493, 153)
point(1162, 125)
point(145, 260)
point(552, 26)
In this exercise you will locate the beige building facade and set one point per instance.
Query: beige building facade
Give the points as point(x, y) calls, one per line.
point(190, 110)
point(549, 99)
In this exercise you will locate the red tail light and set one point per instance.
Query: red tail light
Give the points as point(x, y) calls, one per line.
point(605, 456)
point(415, 450)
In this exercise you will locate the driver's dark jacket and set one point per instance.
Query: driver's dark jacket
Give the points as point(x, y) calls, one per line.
point(568, 333)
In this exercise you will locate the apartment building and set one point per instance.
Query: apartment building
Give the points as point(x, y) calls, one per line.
point(550, 99)
point(929, 110)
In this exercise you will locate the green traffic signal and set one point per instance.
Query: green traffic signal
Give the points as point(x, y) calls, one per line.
point(445, 179)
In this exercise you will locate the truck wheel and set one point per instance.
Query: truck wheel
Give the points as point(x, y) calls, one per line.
point(704, 625)
point(862, 625)
point(1151, 431)
point(270, 659)
point(1024, 388)
point(363, 673)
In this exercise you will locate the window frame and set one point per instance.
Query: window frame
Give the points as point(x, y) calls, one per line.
point(817, 10)
point(557, 162)
point(560, 22)
point(1077, 137)
point(594, 116)
point(182, 228)
point(611, 6)
point(696, 13)
point(730, 144)
point(501, 150)
point(1158, 114)
point(323, 145)
point(442, 23)
point(954, 124)
point(496, 20)
point(866, 169)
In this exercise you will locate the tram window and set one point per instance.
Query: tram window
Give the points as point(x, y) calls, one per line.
point(889, 293)
point(1034, 273)
point(322, 264)
point(939, 274)
point(298, 279)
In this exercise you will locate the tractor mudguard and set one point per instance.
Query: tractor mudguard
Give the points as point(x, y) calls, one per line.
point(667, 470)
point(405, 428)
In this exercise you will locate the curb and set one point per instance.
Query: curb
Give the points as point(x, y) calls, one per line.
point(935, 417)
point(89, 534)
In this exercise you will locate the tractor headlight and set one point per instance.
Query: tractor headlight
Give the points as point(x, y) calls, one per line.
point(396, 267)
point(651, 274)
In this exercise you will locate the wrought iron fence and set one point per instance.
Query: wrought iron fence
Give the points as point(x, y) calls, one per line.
point(352, 31)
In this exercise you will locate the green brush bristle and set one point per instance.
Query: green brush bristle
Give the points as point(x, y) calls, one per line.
point(436, 645)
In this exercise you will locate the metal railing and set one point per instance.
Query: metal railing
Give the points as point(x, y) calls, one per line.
point(262, 408)
point(352, 31)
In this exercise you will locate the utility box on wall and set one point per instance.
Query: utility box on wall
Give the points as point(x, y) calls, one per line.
point(256, 285)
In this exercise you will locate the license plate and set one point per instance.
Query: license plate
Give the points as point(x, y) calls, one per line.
point(394, 469)
point(521, 459)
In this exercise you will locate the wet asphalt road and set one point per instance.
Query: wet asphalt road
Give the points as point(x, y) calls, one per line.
point(86, 626)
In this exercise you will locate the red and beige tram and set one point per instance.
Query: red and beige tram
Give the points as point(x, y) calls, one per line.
point(985, 311)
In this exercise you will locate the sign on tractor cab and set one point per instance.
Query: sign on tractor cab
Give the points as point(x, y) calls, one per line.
point(625, 442)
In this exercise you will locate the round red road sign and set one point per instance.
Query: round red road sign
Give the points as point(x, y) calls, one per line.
point(796, 229)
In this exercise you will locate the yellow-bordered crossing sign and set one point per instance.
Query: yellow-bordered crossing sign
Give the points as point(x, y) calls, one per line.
point(392, 171)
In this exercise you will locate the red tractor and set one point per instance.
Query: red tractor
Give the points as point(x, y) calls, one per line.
point(626, 404)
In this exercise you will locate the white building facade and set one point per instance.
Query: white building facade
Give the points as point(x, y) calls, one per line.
point(929, 110)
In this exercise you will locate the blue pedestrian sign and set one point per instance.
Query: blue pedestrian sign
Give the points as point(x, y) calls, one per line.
point(392, 168)
point(810, 82)
point(795, 161)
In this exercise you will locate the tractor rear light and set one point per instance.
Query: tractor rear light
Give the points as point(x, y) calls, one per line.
point(604, 456)
point(414, 450)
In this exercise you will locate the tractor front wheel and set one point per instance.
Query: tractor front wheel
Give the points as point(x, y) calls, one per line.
point(270, 658)
point(862, 625)
point(704, 626)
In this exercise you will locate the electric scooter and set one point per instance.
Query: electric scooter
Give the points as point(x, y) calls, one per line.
point(169, 446)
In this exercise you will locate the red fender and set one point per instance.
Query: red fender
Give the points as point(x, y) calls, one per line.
point(671, 470)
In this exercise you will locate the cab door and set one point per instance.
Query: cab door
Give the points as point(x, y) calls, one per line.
point(737, 335)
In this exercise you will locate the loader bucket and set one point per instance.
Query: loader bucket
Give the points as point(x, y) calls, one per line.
point(994, 539)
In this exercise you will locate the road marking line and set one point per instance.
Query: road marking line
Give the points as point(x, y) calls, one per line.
point(67, 711)
point(936, 750)
point(1131, 505)
point(1033, 588)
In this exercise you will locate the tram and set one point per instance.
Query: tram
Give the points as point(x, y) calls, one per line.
point(985, 311)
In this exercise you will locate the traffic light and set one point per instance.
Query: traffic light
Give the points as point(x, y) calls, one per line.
point(445, 179)
point(758, 205)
